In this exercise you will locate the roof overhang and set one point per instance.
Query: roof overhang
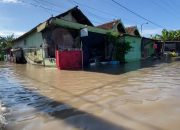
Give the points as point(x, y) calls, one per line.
point(42, 26)
point(70, 25)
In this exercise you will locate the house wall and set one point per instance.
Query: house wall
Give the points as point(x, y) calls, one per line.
point(32, 47)
point(69, 17)
point(135, 53)
point(178, 47)
point(61, 38)
point(172, 45)
point(147, 47)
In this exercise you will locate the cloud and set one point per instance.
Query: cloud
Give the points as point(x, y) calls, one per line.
point(10, 32)
point(149, 32)
point(129, 25)
point(9, 1)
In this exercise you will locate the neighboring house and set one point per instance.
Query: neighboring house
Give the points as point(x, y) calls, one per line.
point(148, 47)
point(130, 34)
point(135, 53)
point(133, 30)
point(115, 25)
point(171, 46)
point(62, 33)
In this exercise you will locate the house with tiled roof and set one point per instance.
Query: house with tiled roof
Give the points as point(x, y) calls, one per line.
point(61, 33)
point(133, 30)
point(115, 25)
point(129, 34)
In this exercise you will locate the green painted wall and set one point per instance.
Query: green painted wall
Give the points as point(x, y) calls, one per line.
point(31, 46)
point(150, 48)
point(135, 53)
point(33, 40)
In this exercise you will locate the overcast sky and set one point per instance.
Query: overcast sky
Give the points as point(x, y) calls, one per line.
point(19, 16)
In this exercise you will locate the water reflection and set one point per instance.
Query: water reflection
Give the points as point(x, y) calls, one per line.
point(46, 98)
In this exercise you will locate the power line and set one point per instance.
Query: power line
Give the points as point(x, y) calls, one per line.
point(138, 15)
point(99, 11)
point(40, 6)
point(97, 16)
point(165, 6)
point(104, 12)
point(49, 3)
point(159, 5)
point(45, 8)
point(172, 4)
point(92, 14)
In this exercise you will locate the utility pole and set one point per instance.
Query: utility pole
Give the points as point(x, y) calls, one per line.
point(142, 28)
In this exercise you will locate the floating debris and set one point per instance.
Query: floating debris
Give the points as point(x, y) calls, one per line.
point(3, 121)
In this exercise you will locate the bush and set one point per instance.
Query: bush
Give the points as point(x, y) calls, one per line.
point(120, 47)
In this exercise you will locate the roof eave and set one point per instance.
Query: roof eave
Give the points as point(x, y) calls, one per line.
point(78, 26)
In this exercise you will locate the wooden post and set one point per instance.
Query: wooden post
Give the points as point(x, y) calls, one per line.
point(43, 52)
point(82, 55)
point(83, 33)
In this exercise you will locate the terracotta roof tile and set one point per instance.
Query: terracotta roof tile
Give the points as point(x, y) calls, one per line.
point(131, 30)
point(109, 25)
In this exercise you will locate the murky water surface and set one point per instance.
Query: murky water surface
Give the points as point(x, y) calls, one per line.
point(126, 98)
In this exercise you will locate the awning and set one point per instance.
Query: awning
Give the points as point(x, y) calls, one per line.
point(71, 25)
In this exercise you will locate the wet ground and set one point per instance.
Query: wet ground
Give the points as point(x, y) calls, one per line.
point(137, 96)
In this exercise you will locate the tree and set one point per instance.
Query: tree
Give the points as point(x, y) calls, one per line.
point(164, 35)
point(2, 45)
point(171, 35)
point(5, 43)
point(156, 37)
point(9, 40)
point(120, 47)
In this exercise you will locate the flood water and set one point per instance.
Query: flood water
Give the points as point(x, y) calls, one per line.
point(133, 97)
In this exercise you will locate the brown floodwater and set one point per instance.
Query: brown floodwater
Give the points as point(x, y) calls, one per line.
point(135, 96)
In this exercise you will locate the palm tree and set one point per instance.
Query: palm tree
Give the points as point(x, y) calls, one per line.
point(165, 35)
point(9, 39)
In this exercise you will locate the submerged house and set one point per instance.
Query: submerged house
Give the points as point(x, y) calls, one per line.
point(70, 41)
point(149, 47)
point(57, 41)
point(133, 36)
point(135, 53)
point(171, 46)
point(133, 31)
point(130, 34)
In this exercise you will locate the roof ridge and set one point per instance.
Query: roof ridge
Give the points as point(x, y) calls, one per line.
point(116, 20)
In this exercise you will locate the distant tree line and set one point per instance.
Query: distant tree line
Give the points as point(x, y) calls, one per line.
point(5, 43)
point(172, 35)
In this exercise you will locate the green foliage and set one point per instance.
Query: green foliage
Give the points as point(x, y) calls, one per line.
point(120, 47)
point(2, 45)
point(172, 35)
point(5, 43)
point(156, 37)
